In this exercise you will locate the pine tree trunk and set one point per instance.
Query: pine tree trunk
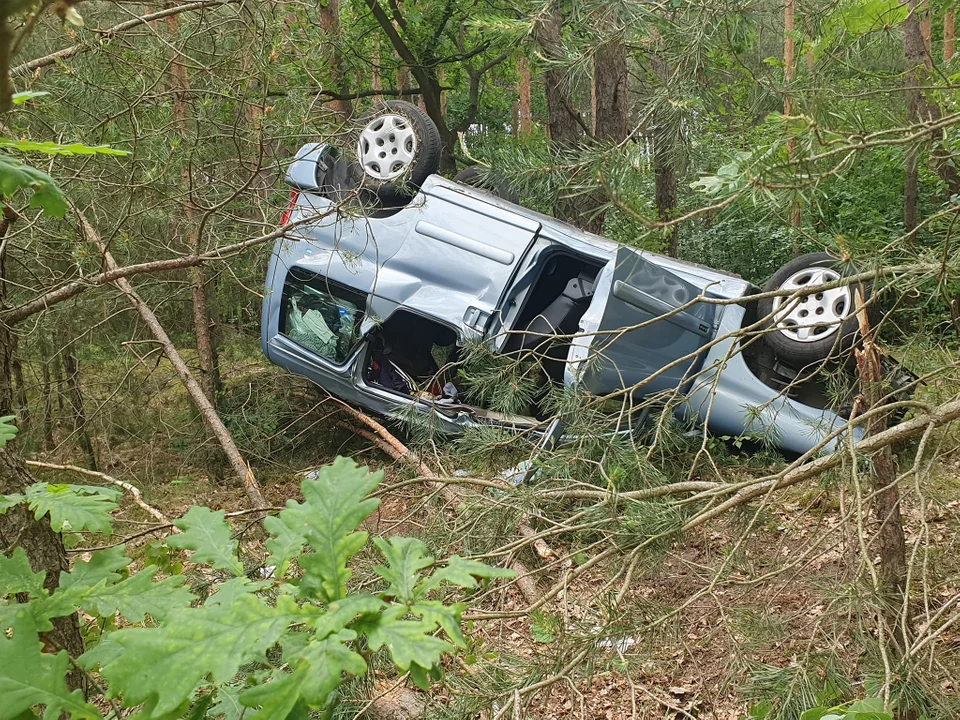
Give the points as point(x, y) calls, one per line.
point(611, 99)
point(891, 547)
point(47, 406)
point(404, 82)
point(664, 157)
point(949, 34)
point(611, 114)
point(43, 546)
point(18, 527)
point(23, 404)
point(61, 382)
point(789, 73)
point(72, 367)
point(926, 29)
point(563, 126)
point(330, 24)
point(918, 62)
point(525, 108)
point(202, 326)
point(665, 192)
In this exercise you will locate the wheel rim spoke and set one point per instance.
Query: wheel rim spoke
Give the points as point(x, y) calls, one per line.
point(387, 147)
point(809, 313)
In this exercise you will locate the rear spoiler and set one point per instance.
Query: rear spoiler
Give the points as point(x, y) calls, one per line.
point(308, 167)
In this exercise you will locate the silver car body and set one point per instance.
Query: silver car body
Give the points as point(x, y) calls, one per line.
point(467, 259)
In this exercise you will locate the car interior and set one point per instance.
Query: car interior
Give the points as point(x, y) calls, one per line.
point(559, 297)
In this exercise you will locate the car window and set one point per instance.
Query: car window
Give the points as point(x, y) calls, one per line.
point(321, 315)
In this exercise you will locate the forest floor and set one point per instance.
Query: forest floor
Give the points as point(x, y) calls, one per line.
point(694, 626)
point(723, 622)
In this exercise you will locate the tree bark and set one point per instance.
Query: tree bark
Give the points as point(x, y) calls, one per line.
point(789, 74)
point(18, 527)
point(23, 403)
point(44, 549)
point(926, 29)
point(665, 178)
point(891, 543)
point(330, 24)
point(72, 368)
point(202, 327)
point(665, 191)
point(611, 99)
point(525, 107)
point(919, 68)
point(563, 122)
point(949, 34)
point(47, 405)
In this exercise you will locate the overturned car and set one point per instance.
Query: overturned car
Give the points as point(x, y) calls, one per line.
point(360, 302)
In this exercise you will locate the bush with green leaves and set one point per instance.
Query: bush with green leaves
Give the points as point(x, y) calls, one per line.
point(267, 648)
point(868, 709)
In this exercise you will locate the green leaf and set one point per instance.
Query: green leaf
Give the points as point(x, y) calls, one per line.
point(277, 698)
point(102, 566)
point(342, 612)
point(43, 191)
point(333, 507)
point(22, 97)
point(29, 677)
point(8, 431)
point(326, 660)
point(228, 592)
point(409, 641)
point(9, 501)
point(867, 705)
point(16, 575)
point(71, 506)
point(444, 616)
point(166, 663)
point(462, 573)
point(406, 557)
point(138, 596)
point(208, 535)
point(285, 545)
point(816, 713)
point(52, 148)
point(228, 704)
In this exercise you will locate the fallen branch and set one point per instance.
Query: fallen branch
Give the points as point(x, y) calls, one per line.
point(206, 408)
point(389, 444)
point(943, 414)
point(134, 492)
point(110, 33)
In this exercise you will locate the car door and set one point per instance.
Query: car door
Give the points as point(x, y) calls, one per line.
point(458, 258)
point(633, 332)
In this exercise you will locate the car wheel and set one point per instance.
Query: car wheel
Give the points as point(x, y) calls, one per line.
point(819, 323)
point(398, 147)
point(474, 178)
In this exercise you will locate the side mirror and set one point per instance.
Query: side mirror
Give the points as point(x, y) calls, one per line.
point(308, 167)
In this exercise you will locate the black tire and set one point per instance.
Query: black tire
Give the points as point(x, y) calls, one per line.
point(783, 341)
point(472, 177)
point(426, 161)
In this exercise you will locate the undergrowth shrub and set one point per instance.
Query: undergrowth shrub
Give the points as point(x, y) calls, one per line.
point(275, 639)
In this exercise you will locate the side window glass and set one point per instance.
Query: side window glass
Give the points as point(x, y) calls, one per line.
point(322, 316)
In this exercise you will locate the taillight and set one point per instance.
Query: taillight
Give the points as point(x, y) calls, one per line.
point(285, 218)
